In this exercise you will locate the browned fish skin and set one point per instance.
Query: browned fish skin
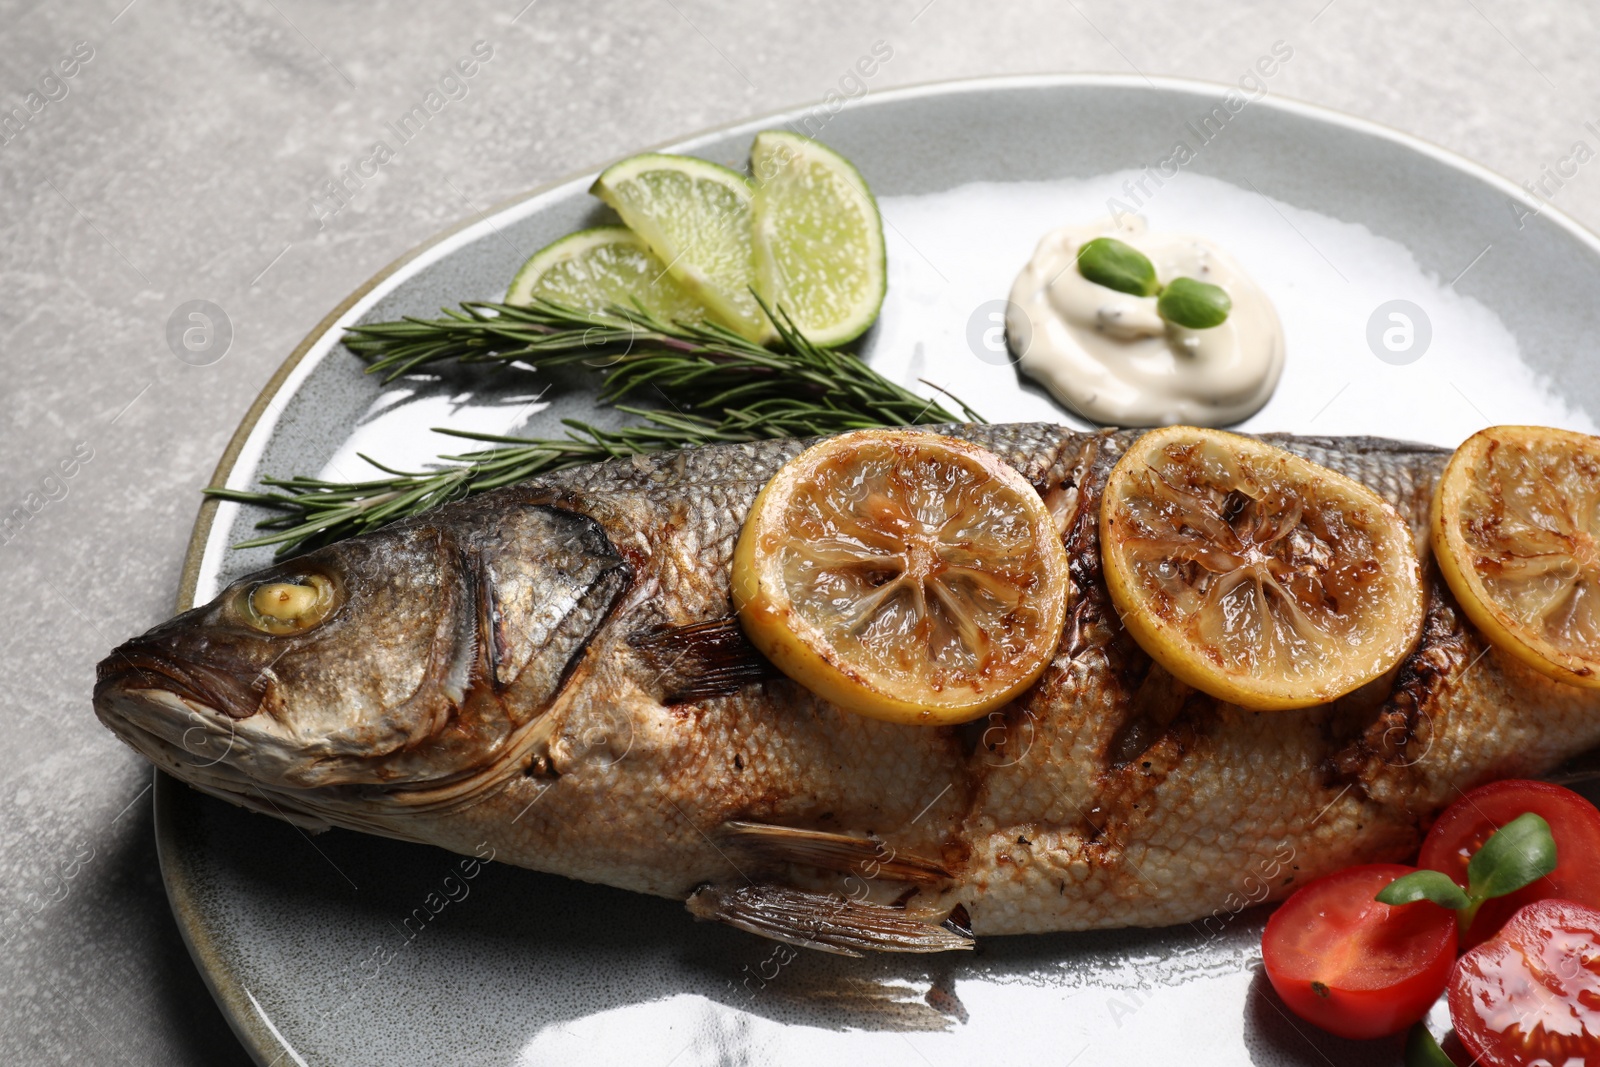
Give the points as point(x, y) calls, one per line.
point(560, 687)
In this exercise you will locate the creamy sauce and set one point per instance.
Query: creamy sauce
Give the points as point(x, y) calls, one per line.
point(1109, 357)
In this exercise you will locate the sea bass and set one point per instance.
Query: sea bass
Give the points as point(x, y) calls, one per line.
point(553, 669)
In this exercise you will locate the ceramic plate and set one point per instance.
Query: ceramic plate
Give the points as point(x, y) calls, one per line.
point(334, 950)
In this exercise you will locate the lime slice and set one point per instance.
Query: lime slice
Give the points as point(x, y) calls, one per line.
point(592, 270)
point(818, 238)
point(695, 216)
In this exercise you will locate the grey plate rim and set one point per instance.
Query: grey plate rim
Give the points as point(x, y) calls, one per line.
point(250, 1024)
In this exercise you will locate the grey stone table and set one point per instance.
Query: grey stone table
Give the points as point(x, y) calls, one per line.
point(154, 152)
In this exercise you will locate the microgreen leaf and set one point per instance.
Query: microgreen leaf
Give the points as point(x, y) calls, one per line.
point(1424, 885)
point(1520, 852)
point(1118, 265)
point(1423, 1051)
point(1194, 304)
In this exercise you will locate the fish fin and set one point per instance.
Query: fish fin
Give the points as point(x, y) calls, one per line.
point(703, 660)
point(824, 921)
point(868, 857)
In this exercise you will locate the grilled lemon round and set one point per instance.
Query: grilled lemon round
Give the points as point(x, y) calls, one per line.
point(1254, 574)
point(903, 575)
point(1516, 530)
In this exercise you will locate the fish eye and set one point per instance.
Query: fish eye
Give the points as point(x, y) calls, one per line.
point(288, 607)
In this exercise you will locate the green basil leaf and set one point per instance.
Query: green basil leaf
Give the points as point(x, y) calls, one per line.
point(1424, 885)
point(1423, 1051)
point(1117, 265)
point(1196, 305)
point(1520, 852)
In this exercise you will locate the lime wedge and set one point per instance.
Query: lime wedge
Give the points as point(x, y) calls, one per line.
point(818, 238)
point(592, 270)
point(695, 216)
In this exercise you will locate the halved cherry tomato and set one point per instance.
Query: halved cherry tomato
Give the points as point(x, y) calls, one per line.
point(1467, 824)
point(1353, 966)
point(1531, 994)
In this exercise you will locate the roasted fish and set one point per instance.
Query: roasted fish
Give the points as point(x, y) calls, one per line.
point(552, 669)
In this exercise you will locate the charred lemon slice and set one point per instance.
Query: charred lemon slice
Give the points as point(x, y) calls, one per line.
point(1516, 530)
point(902, 575)
point(1253, 574)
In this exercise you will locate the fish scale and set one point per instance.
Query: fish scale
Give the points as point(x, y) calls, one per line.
point(1109, 795)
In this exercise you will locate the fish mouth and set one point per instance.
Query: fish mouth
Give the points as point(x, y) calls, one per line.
point(163, 712)
point(139, 665)
point(179, 717)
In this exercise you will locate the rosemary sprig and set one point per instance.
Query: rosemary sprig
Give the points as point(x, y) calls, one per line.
point(722, 387)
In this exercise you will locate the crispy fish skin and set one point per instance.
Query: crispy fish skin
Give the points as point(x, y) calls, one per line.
point(587, 708)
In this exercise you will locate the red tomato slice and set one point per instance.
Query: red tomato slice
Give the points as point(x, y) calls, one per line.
point(1353, 966)
point(1467, 824)
point(1531, 994)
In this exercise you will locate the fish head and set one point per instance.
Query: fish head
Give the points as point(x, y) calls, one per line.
point(407, 660)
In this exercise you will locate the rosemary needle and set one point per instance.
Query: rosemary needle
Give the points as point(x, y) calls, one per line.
point(725, 389)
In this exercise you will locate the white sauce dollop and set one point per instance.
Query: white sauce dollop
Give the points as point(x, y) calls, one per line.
point(1109, 357)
